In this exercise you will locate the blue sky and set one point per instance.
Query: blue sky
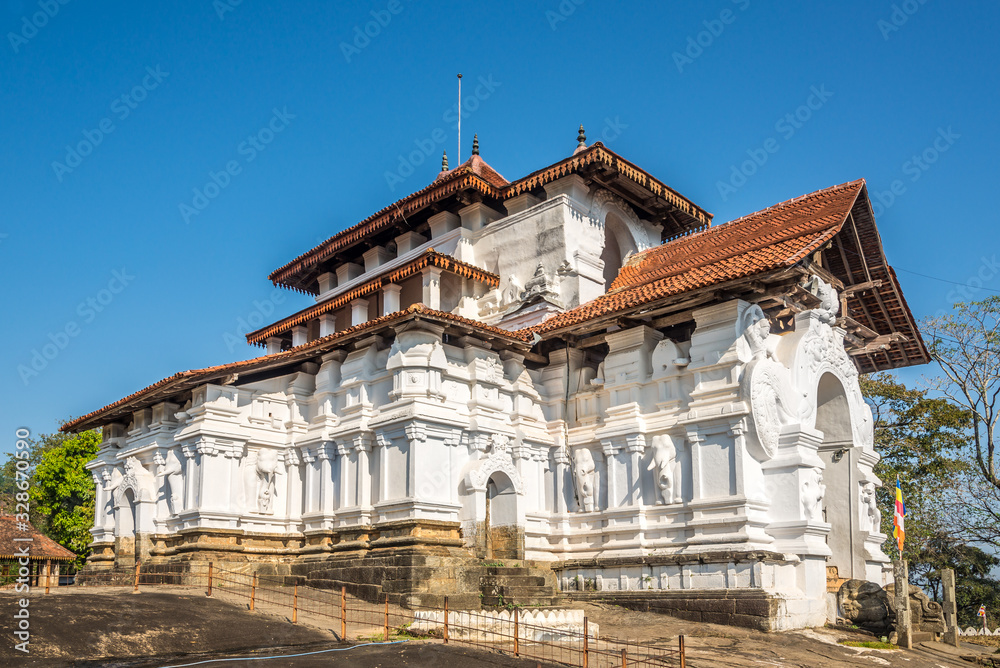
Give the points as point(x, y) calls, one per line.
point(114, 114)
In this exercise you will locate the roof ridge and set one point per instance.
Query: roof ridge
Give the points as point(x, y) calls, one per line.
point(792, 201)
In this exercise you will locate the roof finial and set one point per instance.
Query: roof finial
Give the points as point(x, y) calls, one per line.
point(581, 138)
point(475, 144)
point(444, 161)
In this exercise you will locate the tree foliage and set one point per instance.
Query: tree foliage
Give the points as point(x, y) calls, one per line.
point(920, 440)
point(925, 441)
point(966, 343)
point(60, 489)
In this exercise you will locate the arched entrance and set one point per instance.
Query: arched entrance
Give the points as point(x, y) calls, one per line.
point(618, 243)
point(841, 477)
point(125, 527)
point(504, 538)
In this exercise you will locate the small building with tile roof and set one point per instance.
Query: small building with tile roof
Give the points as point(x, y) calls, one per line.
point(28, 554)
point(576, 369)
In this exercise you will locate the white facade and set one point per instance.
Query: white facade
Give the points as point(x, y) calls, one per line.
point(745, 454)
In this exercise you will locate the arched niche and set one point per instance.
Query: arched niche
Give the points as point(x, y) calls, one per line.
point(504, 535)
point(841, 477)
point(624, 233)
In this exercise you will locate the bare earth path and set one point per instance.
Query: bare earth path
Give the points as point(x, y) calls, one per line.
point(173, 626)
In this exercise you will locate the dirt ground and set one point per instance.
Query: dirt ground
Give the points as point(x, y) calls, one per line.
point(113, 627)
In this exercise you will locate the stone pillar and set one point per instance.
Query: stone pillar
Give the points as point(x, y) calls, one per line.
point(612, 467)
point(560, 473)
point(300, 336)
point(359, 312)
point(636, 446)
point(310, 497)
point(326, 478)
point(363, 446)
point(390, 298)
point(432, 287)
point(190, 478)
point(327, 324)
point(273, 344)
point(902, 592)
point(950, 607)
point(99, 502)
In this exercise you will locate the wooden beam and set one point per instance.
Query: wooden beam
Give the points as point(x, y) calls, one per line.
point(861, 287)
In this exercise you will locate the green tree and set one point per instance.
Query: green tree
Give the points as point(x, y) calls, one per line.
point(60, 489)
point(925, 441)
point(921, 440)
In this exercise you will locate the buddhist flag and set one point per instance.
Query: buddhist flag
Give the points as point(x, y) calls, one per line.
point(898, 518)
point(982, 611)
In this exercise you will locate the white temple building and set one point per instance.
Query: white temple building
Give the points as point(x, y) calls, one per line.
point(574, 370)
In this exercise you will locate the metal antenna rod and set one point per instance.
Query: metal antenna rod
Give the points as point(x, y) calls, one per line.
point(459, 118)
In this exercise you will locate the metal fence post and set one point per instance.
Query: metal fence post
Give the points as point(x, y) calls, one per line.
point(295, 604)
point(135, 588)
point(343, 613)
point(586, 644)
point(517, 646)
point(210, 578)
point(253, 590)
point(386, 638)
point(680, 642)
point(445, 620)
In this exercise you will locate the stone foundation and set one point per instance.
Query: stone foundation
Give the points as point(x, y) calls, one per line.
point(726, 587)
point(753, 609)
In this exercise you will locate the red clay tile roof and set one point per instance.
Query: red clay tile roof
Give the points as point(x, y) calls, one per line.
point(186, 380)
point(456, 181)
point(428, 258)
point(476, 174)
point(40, 548)
point(476, 165)
point(779, 236)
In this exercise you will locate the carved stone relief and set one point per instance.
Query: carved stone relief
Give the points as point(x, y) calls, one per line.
point(665, 468)
point(584, 472)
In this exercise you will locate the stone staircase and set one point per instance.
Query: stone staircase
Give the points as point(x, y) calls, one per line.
point(524, 586)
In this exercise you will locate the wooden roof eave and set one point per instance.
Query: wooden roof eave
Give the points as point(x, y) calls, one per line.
point(188, 380)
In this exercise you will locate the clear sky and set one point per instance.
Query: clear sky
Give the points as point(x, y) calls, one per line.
point(114, 114)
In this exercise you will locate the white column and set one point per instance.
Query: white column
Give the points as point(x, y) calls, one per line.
point(636, 445)
point(99, 509)
point(390, 298)
point(190, 477)
point(300, 336)
point(326, 479)
point(359, 312)
point(327, 282)
point(611, 465)
point(273, 345)
point(432, 287)
point(327, 324)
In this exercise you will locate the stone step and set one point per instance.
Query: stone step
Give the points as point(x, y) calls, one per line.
point(507, 570)
point(534, 602)
point(517, 580)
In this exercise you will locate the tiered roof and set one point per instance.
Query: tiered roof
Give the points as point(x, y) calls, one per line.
point(836, 221)
point(429, 258)
point(188, 380)
point(475, 176)
point(830, 232)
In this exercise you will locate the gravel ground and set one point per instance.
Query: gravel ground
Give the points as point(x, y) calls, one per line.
point(172, 627)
